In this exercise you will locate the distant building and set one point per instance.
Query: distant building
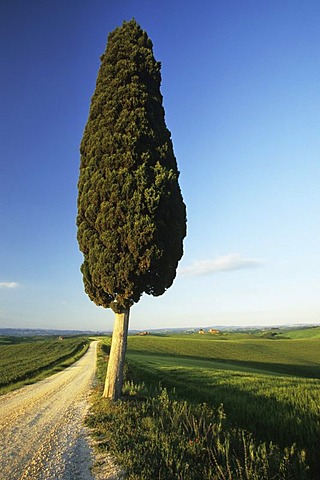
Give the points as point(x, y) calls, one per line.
point(141, 334)
point(201, 330)
point(214, 331)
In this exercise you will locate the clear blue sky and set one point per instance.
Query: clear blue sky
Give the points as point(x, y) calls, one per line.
point(240, 81)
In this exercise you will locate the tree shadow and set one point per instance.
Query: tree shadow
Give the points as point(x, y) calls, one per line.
point(268, 418)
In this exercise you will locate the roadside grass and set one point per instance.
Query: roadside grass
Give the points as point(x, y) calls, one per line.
point(24, 363)
point(154, 434)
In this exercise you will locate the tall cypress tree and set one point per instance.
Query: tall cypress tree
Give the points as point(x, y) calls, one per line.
point(131, 215)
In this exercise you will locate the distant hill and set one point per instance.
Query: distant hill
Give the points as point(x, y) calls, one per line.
point(42, 332)
point(289, 331)
point(283, 331)
point(306, 332)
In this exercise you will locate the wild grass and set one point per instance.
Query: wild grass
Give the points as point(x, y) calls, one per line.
point(156, 435)
point(279, 408)
point(22, 363)
point(263, 384)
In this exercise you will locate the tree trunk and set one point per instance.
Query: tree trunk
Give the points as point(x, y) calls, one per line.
point(114, 378)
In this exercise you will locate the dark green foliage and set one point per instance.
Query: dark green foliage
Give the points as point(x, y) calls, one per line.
point(131, 216)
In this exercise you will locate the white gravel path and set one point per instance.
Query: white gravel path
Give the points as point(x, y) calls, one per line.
point(42, 436)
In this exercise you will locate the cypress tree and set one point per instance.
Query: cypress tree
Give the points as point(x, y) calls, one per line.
point(131, 216)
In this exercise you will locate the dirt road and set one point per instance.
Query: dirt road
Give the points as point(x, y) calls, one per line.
point(41, 432)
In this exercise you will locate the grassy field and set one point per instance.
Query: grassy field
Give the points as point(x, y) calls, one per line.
point(180, 430)
point(281, 356)
point(313, 332)
point(270, 388)
point(25, 360)
point(263, 403)
point(234, 406)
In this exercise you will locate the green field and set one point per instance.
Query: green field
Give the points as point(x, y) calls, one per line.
point(281, 356)
point(268, 387)
point(25, 360)
point(170, 424)
point(313, 332)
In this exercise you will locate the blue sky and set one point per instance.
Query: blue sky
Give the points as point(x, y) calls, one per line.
point(240, 81)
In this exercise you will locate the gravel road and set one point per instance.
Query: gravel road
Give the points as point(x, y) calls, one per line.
point(42, 436)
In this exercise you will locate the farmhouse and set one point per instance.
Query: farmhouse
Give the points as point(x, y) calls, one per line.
point(214, 331)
